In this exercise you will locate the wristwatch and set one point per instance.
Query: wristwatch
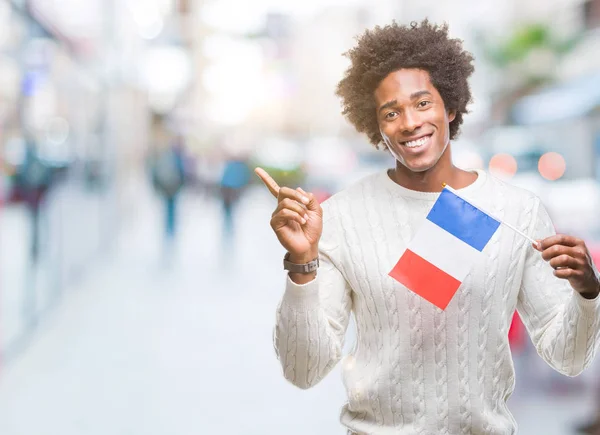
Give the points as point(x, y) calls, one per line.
point(309, 267)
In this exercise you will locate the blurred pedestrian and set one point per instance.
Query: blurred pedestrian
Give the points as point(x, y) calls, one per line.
point(33, 180)
point(418, 368)
point(235, 178)
point(168, 176)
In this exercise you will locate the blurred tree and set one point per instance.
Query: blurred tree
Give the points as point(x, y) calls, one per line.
point(527, 59)
point(526, 40)
point(284, 177)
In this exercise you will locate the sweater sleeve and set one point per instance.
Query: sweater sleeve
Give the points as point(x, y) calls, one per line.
point(562, 324)
point(312, 318)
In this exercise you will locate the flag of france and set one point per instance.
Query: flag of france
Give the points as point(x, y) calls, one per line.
point(444, 249)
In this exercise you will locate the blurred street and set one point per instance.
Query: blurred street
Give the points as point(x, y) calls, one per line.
point(145, 345)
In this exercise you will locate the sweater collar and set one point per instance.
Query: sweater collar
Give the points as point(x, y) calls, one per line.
point(395, 188)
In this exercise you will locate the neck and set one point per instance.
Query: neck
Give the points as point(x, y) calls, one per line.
point(431, 180)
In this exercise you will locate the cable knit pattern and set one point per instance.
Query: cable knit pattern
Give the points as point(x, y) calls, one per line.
point(377, 238)
point(409, 352)
point(507, 312)
point(592, 336)
point(313, 356)
point(492, 265)
point(441, 371)
point(464, 306)
point(491, 269)
point(413, 302)
point(292, 343)
point(366, 322)
point(569, 354)
point(392, 303)
point(416, 343)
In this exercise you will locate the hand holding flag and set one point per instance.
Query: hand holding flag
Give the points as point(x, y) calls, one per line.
point(450, 241)
point(571, 260)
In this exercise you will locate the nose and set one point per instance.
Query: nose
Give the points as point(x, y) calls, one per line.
point(411, 121)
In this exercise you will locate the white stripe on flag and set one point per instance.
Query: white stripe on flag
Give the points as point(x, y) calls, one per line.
point(444, 250)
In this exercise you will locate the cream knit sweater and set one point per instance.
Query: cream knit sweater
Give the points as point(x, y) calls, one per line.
point(417, 369)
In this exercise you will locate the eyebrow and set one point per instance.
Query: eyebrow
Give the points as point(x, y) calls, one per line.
point(413, 96)
point(391, 103)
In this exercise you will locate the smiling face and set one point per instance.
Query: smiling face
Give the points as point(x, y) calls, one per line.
point(412, 118)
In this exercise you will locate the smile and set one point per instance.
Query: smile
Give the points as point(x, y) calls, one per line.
point(417, 143)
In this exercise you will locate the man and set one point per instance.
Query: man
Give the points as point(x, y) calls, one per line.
point(417, 369)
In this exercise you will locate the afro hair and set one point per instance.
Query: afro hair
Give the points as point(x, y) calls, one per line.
point(384, 50)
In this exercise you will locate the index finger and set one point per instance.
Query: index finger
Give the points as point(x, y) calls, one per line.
point(268, 181)
point(558, 239)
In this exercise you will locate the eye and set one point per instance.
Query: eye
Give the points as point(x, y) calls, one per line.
point(390, 115)
point(423, 103)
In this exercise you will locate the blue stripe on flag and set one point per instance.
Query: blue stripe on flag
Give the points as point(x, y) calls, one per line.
point(463, 220)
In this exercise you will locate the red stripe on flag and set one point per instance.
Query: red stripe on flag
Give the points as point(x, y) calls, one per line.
point(426, 280)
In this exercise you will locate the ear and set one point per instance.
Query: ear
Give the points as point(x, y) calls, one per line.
point(451, 115)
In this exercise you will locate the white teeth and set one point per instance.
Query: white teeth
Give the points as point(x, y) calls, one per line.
point(416, 143)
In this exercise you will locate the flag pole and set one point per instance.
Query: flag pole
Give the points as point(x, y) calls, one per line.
point(446, 186)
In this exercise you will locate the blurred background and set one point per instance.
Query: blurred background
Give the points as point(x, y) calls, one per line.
point(139, 276)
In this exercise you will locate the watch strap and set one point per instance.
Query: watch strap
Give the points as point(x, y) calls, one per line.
point(306, 268)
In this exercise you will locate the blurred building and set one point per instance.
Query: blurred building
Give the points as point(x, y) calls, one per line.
point(79, 85)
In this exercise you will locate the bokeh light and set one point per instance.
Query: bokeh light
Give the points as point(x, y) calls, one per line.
point(503, 165)
point(552, 166)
